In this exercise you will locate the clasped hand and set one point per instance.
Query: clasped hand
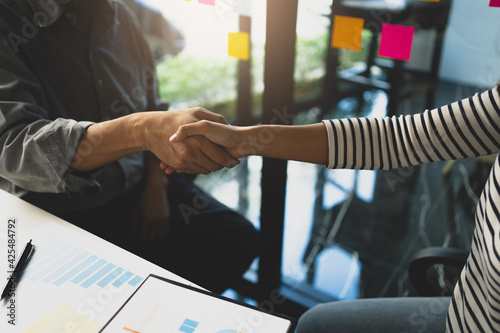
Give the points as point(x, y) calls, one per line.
point(195, 154)
point(218, 132)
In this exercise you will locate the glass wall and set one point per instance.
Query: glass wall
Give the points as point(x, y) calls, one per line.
point(348, 234)
point(352, 234)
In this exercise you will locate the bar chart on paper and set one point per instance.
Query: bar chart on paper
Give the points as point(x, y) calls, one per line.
point(62, 263)
point(74, 281)
point(74, 272)
point(162, 305)
point(152, 317)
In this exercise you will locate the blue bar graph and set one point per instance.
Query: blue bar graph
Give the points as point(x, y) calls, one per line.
point(73, 262)
point(75, 270)
point(186, 329)
point(188, 326)
point(44, 260)
point(86, 273)
point(61, 262)
point(55, 264)
point(191, 323)
point(135, 281)
point(93, 279)
point(122, 279)
point(111, 277)
point(46, 256)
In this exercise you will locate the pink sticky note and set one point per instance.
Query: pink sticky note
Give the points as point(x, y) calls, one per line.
point(396, 41)
point(207, 2)
point(494, 3)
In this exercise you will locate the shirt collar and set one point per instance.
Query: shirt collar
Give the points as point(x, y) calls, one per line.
point(46, 12)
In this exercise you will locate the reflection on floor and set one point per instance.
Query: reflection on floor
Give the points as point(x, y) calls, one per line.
point(351, 234)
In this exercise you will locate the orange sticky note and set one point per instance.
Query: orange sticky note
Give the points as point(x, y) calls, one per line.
point(239, 45)
point(347, 32)
point(430, 0)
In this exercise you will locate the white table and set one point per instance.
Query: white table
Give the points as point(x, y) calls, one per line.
point(74, 282)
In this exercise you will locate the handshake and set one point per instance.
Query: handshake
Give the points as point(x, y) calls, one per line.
point(222, 145)
point(204, 142)
point(196, 141)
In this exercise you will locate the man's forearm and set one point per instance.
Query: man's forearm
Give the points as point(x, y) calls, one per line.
point(108, 141)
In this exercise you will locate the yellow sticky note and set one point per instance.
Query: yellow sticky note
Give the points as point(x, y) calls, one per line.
point(239, 45)
point(347, 32)
point(64, 319)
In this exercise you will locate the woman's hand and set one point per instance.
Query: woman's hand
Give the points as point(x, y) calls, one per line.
point(306, 143)
point(230, 137)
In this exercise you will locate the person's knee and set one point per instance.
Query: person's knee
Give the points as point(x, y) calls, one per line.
point(317, 319)
point(410, 314)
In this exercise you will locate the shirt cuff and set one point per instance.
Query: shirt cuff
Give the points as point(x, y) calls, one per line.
point(329, 132)
point(59, 144)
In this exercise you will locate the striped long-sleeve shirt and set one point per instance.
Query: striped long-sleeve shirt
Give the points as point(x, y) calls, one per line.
point(466, 128)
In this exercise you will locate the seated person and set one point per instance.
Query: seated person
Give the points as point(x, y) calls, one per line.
point(466, 128)
point(76, 80)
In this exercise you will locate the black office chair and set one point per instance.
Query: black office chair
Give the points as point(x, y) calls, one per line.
point(433, 263)
point(450, 262)
point(419, 14)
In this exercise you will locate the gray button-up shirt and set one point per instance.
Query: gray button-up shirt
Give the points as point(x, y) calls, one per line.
point(55, 81)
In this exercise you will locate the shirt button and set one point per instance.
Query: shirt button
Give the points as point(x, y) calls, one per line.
point(99, 82)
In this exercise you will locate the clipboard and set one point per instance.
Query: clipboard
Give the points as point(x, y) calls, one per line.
point(163, 305)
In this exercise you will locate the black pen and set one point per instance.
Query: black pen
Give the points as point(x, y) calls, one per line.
point(18, 269)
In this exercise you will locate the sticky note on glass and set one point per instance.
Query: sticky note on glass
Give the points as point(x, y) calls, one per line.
point(347, 32)
point(207, 2)
point(239, 45)
point(494, 3)
point(396, 41)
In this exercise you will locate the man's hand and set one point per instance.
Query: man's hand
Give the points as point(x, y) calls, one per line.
point(195, 154)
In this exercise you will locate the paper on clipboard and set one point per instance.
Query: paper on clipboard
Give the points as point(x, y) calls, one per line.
point(161, 305)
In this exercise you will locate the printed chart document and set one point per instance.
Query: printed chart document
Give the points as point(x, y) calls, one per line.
point(162, 305)
point(74, 282)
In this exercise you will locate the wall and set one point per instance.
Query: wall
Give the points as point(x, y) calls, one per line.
point(471, 53)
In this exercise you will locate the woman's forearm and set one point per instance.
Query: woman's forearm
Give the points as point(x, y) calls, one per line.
point(305, 143)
